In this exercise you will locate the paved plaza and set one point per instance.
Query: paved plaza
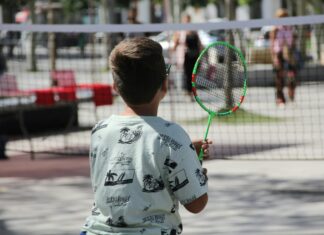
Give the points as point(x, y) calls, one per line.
point(52, 196)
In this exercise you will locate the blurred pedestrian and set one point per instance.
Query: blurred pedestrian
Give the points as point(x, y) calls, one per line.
point(3, 138)
point(187, 47)
point(193, 48)
point(132, 19)
point(3, 64)
point(283, 48)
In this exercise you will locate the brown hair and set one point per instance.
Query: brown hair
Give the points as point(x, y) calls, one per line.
point(138, 69)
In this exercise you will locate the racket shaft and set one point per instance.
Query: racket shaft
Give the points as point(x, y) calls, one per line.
point(201, 153)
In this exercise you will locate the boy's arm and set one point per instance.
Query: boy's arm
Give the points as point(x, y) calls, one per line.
point(187, 178)
point(197, 205)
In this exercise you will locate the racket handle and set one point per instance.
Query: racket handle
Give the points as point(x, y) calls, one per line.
point(201, 155)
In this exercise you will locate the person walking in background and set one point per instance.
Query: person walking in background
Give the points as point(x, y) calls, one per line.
point(142, 166)
point(132, 19)
point(193, 48)
point(3, 138)
point(283, 48)
point(187, 47)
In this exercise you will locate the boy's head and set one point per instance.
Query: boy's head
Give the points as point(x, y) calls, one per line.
point(138, 69)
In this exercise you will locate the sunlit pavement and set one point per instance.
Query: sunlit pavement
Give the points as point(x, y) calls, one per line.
point(246, 197)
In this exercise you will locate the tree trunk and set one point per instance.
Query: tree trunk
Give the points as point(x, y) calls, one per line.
point(105, 40)
point(51, 40)
point(301, 11)
point(92, 40)
point(112, 39)
point(319, 30)
point(33, 62)
point(228, 83)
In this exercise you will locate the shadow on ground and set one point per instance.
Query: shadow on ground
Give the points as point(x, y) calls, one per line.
point(228, 151)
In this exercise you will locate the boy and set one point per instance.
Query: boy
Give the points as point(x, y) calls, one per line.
point(141, 164)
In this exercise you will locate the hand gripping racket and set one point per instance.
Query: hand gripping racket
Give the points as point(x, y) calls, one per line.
point(219, 81)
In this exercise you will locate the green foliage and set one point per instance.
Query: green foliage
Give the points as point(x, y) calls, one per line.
point(247, 2)
point(11, 3)
point(213, 1)
point(198, 3)
point(244, 2)
point(71, 6)
point(123, 3)
point(158, 2)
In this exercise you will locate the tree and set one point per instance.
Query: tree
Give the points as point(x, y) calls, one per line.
point(51, 37)
point(33, 61)
point(318, 6)
point(10, 8)
point(228, 83)
point(110, 176)
point(72, 8)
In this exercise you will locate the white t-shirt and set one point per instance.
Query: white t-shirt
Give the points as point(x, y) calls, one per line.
point(141, 168)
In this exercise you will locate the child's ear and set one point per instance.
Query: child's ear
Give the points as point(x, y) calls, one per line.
point(115, 88)
point(165, 85)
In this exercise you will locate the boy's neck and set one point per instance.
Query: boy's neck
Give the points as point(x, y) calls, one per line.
point(140, 110)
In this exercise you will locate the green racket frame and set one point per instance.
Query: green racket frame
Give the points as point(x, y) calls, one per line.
point(212, 114)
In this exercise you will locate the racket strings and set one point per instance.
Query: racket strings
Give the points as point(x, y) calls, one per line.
point(220, 78)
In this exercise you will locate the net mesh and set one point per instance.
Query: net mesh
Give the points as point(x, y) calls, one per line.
point(40, 114)
point(220, 78)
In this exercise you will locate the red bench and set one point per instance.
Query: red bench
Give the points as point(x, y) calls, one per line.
point(102, 93)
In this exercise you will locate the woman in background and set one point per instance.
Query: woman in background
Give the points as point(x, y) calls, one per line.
point(283, 59)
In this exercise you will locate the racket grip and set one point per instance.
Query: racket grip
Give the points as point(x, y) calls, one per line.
point(201, 155)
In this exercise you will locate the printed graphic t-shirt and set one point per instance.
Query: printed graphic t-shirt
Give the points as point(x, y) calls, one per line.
point(141, 168)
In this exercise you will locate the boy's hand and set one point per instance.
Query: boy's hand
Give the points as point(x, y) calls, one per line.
point(204, 145)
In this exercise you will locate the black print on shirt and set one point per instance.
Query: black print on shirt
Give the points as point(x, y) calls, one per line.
point(95, 211)
point(166, 232)
point(192, 147)
point(93, 153)
point(173, 209)
point(169, 142)
point(180, 180)
point(152, 185)
point(201, 177)
point(146, 208)
point(98, 126)
point(170, 164)
point(128, 136)
point(118, 201)
point(119, 223)
point(158, 219)
point(167, 124)
point(105, 153)
point(180, 226)
point(122, 159)
point(119, 177)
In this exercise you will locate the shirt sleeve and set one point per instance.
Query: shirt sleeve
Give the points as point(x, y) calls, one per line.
point(186, 179)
